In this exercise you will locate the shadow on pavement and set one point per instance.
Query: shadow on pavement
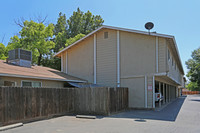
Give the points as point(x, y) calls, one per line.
point(169, 113)
point(196, 100)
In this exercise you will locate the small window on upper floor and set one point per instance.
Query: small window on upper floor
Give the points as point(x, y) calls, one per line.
point(168, 55)
point(105, 35)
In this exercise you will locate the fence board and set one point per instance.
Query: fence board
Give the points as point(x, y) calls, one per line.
point(18, 104)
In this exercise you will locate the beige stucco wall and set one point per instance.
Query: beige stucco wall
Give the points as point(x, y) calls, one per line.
point(80, 60)
point(45, 83)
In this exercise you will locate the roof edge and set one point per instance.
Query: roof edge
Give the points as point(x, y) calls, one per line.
point(127, 30)
point(34, 77)
point(114, 28)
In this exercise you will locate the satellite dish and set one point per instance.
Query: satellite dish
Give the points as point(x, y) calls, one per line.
point(149, 26)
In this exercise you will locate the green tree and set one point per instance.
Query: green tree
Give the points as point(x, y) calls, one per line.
point(194, 70)
point(84, 23)
point(15, 42)
point(60, 32)
point(2, 51)
point(193, 86)
point(74, 39)
point(35, 37)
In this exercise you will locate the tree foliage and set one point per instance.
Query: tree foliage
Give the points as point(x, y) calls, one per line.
point(74, 39)
point(2, 51)
point(35, 37)
point(84, 23)
point(68, 31)
point(194, 70)
point(46, 40)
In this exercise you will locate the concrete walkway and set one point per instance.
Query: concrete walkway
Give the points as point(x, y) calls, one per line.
point(181, 116)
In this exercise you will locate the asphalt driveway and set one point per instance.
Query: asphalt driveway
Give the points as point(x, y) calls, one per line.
point(181, 116)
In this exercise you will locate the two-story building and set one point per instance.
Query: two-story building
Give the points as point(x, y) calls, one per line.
point(112, 56)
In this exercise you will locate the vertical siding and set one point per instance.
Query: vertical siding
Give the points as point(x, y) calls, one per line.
point(173, 73)
point(80, 60)
point(162, 55)
point(149, 92)
point(136, 88)
point(107, 58)
point(137, 54)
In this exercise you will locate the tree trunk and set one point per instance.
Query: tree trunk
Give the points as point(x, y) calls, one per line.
point(39, 60)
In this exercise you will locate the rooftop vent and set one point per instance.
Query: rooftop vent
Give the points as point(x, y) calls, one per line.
point(20, 57)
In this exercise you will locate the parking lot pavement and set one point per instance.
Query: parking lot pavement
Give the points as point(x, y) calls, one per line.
point(181, 116)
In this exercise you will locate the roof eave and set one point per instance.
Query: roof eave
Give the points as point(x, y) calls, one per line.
point(127, 30)
point(43, 78)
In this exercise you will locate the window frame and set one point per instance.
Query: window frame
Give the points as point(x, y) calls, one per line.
point(31, 82)
point(15, 83)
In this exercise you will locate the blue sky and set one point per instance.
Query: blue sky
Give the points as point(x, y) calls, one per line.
point(180, 18)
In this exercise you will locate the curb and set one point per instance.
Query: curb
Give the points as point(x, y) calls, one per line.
point(11, 126)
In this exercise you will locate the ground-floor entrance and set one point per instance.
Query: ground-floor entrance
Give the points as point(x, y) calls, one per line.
point(169, 92)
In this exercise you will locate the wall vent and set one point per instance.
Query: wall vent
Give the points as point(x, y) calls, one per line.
point(105, 35)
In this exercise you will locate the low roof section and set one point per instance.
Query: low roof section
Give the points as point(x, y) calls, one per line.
point(35, 72)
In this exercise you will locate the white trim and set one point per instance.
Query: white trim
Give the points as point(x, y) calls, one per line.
point(114, 28)
point(161, 74)
point(61, 62)
point(127, 30)
point(159, 89)
point(45, 78)
point(156, 54)
point(95, 57)
point(66, 68)
point(118, 60)
point(139, 76)
point(169, 93)
point(145, 91)
point(153, 92)
point(164, 92)
point(132, 76)
point(79, 40)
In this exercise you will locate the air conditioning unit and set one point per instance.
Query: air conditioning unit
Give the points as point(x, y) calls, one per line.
point(20, 57)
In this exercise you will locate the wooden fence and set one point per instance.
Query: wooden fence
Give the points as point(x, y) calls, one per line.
point(23, 104)
point(101, 101)
point(190, 92)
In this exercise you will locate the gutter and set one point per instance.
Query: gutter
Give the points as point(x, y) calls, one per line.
point(44, 78)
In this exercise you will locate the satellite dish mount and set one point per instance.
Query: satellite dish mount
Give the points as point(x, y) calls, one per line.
point(149, 26)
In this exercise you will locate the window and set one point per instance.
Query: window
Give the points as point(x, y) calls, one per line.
point(168, 55)
point(105, 35)
point(31, 84)
point(9, 83)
